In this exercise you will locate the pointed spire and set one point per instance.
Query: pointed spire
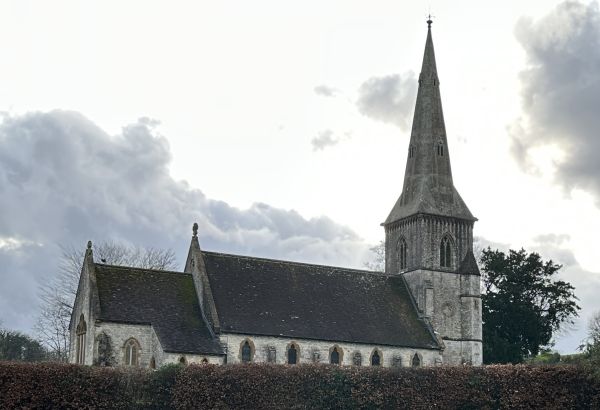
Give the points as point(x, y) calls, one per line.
point(428, 186)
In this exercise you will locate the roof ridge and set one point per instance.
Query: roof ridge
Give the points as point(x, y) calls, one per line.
point(231, 255)
point(108, 265)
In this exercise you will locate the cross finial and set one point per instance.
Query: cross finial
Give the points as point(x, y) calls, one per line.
point(89, 245)
point(429, 21)
point(195, 229)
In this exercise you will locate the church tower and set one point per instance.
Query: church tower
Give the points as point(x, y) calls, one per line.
point(429, 232)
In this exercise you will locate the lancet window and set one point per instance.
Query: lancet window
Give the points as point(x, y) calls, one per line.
point(446, 253)
point(375, 359)
point(292, 354)
point(246, 352)
point(80, 342)
point(132, 351)
point(402, 254)
point(334, 357)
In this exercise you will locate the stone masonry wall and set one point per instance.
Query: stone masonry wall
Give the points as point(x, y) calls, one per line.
point(149, 346)
point(316, 351)
point(423, 235)
point(455, 310)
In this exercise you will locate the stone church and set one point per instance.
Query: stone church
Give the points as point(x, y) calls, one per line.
point(424, 310)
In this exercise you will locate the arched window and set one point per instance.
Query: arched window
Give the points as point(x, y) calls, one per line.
point(132, 352)
point(416, 361)
point(357, 359)
point(334, 356)
point(246, 352)
point(153, 363)
point(411, 151)
point(182, 360)
point(446, 253)
point(80, 343)
point(292, 354)
point(375, 358)
point(402, 253)
point(440, 149)
point(204, 361)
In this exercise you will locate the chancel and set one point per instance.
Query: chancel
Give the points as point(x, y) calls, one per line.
point(424, 310)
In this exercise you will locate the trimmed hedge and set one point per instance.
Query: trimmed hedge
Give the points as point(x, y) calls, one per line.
point(50, 385)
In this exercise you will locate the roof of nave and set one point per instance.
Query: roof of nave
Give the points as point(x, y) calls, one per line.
point(297, 300)
point(165, 300)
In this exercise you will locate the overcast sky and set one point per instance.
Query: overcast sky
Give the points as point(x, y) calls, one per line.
point(282, 129)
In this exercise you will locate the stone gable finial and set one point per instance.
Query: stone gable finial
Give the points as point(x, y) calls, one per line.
point(89, 245)
point(195, 229)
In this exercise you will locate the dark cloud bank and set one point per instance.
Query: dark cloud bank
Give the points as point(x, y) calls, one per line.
point(561, 92)
point(63, 181)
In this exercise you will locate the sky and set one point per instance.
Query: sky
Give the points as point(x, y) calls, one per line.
point(282, 129)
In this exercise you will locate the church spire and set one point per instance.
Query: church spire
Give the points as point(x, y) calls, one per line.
point(428, 186)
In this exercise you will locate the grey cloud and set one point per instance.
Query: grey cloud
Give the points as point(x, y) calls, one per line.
point(326, 91)
point(323, 140)
point(389, 99)
point(561, 93)
point(63, 180)
point(586, 283)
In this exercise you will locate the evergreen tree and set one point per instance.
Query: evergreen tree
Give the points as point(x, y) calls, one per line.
point(523, 304)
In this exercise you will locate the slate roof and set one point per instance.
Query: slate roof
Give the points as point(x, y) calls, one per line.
point(468, 266)
point(280, 298)
point(165, 300)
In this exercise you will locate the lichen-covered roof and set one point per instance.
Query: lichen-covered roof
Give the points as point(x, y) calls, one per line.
point(165, 300)
point(281, 298)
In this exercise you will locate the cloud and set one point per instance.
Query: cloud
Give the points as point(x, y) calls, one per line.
point(586, 283)
point(389, 99)
point(560, 94)
point(326, 91)
point(63, 180)
point(323, 140)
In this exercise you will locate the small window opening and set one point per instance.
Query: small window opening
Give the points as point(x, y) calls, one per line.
point(80, 342)
point(375, 359)
point(335, 356)
point(182, 360)
point(246, 352)
point(292, 355)
point(445, 253)
point(416, 361)
point(204, 361)
point(402, 253)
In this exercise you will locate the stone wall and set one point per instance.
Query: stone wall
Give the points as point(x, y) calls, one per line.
point(82, 306)
point(149, 343)
point(454, 311)
point(423, 235)
point(316, 351)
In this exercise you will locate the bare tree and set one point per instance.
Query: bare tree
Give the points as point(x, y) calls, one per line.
point(57, 296)
point(377, 263)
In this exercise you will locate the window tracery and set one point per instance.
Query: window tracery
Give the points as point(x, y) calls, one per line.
point(132, 351)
